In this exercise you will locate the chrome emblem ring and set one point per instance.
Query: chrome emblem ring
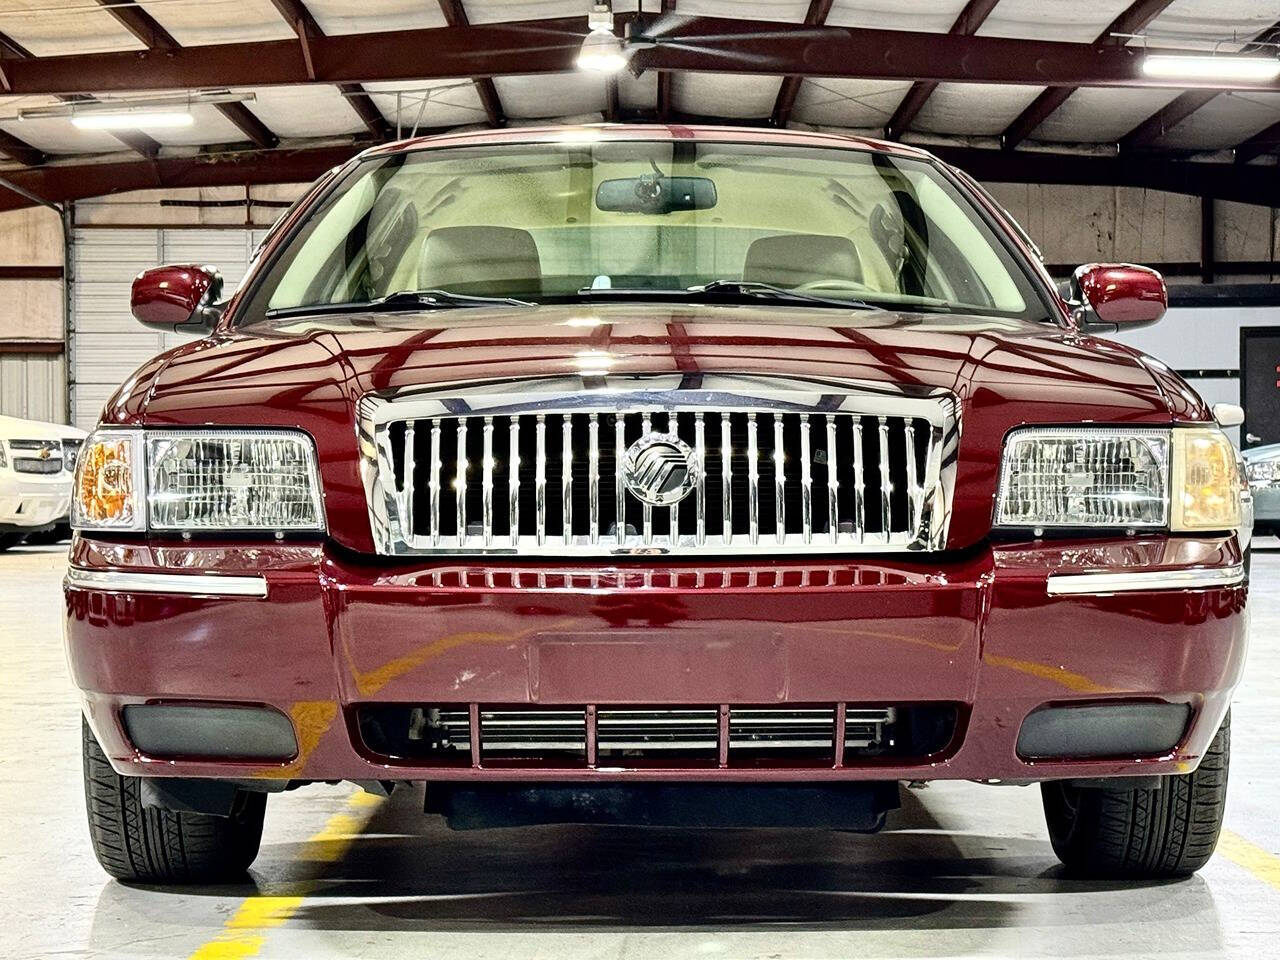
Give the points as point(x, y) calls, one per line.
point(660, 469)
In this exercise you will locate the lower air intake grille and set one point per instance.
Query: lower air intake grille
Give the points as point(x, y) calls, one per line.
point(639, 736)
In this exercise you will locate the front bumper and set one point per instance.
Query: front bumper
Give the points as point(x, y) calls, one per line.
point(998, 632)
point(30, 502)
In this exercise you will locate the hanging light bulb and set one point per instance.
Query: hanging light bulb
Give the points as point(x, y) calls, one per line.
point(601, 51)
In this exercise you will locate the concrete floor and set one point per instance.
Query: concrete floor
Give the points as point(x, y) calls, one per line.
point(966, 870)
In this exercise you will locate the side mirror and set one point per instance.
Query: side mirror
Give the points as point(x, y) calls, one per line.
point(1117, 295)
point(177, 296)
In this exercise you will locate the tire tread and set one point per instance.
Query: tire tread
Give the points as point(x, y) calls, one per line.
point(151, 845)
point(1167, 832)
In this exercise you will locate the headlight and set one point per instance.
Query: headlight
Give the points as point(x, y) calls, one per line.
point(1182, 479)
point(197, 480)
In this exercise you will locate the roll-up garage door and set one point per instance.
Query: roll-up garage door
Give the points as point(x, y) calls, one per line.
point(108, 343)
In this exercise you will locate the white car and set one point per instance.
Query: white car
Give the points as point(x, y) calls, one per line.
point(37, 465)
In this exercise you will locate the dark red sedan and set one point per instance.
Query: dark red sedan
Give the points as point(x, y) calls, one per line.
point(654, 475)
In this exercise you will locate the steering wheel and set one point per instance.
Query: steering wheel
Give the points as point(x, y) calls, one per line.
point(832, 283)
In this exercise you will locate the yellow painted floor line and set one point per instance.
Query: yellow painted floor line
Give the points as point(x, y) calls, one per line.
point(245, 931)
point(1261, 863)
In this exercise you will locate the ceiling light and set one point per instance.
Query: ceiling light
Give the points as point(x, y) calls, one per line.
point(131, 120)
point(1181, 67)
point(601, 51)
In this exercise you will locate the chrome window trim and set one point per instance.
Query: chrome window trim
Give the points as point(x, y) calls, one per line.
point(1190, 578)
point(655, 393)
point(186, 584)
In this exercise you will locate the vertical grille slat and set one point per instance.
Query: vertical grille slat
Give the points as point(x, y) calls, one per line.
point(859, 486)
point(753, 478)
point(487, 482)
point(566, 478)
point(882, 434)
point(460, 482)
point(806, 482)
point(700, 449)
point(779, 482)
point(593, 478)
point(726, 476)
point(843, 480)
point(913, 477)
point(646, 427)
point(619, 493)
point(540, 482)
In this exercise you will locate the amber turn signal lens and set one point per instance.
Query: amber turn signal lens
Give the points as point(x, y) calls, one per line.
point(106, 491)
point(1206, 481)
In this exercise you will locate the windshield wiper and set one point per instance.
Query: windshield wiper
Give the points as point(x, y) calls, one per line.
point(718, 291)
point(402, 300)
point(767, 291)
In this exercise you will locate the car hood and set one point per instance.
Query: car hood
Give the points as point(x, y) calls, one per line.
point(311, 372)
point(1269, 451)
point(15, 428)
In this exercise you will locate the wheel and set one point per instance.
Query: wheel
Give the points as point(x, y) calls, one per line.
point(1152, 834)
point(48, 537)
point(8, 540)
point(150, 845)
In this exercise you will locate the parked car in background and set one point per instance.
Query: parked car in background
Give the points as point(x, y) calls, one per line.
point(658, 475)
point(1262, 469)
point(37, 462)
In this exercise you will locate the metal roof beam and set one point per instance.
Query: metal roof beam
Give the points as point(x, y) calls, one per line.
point(304, 24)
point(59, 182)
point(456, 16)
point(550, 46)
point(816, 15)
point(1131, 20)
point(973, 15)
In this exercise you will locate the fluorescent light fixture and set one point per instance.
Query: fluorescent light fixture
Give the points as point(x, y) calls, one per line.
point(132, 120)
point(1225, 67)
point(601, 53)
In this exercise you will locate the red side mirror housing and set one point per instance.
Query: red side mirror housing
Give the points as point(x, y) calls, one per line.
point(175, 296)
point(1118, 294)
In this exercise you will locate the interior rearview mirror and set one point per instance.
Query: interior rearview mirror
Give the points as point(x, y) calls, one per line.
point(177, 296)
point(656, 194)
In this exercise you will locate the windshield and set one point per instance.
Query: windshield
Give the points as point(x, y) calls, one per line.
point(555, 222)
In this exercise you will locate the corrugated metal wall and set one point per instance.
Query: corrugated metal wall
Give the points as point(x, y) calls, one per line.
point(33, 386)
point(109, 343)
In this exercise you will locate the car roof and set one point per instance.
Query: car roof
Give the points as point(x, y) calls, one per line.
point(618, 132)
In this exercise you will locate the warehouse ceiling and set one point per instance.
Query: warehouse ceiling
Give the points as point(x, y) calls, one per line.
point(1010, 89)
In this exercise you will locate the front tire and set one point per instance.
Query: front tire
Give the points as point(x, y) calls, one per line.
point(1151, 834)
point(9, 540)
point(53, 535)
point(151, 845)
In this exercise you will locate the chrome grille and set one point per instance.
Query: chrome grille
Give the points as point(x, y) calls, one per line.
point(773, 466)
point(36, 456)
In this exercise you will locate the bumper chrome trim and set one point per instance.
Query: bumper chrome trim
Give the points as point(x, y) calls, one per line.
point(1193, 578)
point(187, 584)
